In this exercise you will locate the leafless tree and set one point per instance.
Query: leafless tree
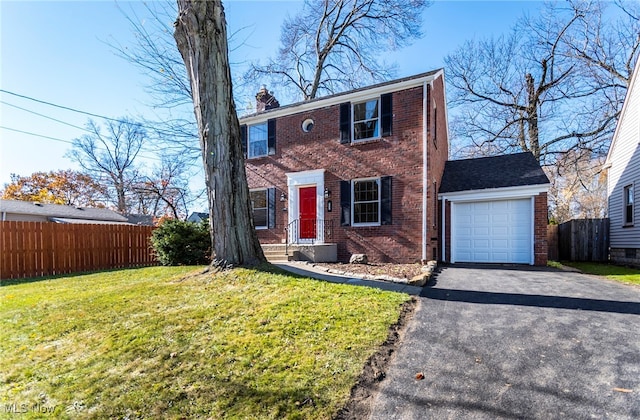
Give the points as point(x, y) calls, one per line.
point(555, 84)
point(165, 191)
point(109, 156)
point(201, 37)
point(332, 45)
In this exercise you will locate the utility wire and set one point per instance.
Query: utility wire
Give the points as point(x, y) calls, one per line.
point(44, 116)
point(34, 134)
point(64, 107)
point(81, 112)
point(60, 140)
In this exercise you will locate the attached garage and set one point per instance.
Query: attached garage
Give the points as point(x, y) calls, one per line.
point(495, 210)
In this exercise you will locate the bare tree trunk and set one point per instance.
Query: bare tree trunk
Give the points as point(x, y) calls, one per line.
point(201, 37)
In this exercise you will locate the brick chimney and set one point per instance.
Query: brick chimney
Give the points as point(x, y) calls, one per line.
point(265, 100)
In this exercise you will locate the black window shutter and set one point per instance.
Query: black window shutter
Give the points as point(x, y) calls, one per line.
point(271, 136)
point(386, 113)
point(345, 203)
point(271, 203)
point(243, 139)
point(345, 123)
point(385, 200)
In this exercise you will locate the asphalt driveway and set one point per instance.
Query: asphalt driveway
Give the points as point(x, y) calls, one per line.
point(517, 343)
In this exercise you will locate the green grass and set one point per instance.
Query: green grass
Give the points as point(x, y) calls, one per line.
point(153, 343)
point(610, 271)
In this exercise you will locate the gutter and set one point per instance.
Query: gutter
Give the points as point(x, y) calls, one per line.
point(426, 99)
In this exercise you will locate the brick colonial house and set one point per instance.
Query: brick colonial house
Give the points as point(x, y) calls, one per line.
point(355, 172)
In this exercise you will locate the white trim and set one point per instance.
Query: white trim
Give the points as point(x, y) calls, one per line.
point(506, 193)
point(378, 223)
point(295, 180)
point(532, 261)
point(338, 99)
point(443, 256)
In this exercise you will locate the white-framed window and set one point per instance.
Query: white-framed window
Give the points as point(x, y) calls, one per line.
point(365, 206)
point(628, 205)
point(260, 208)
point(366, 120)
point(258, 140)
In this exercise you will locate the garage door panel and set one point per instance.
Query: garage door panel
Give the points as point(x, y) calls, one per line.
point(492, 231)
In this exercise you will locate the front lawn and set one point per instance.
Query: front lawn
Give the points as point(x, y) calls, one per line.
point(610, 271)
point(166, 342)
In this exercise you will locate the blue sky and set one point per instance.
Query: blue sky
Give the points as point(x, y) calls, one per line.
point(58, 52)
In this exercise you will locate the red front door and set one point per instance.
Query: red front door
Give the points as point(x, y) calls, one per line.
point(307, 212)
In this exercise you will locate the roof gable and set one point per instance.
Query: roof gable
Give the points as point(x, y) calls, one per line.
point(520, 169)
point(60, 211)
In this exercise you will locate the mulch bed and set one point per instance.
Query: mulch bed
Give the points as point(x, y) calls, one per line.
point(402, 271)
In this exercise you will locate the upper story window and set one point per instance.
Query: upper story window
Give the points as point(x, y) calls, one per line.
point(366, 120)
point(628, 205)
point(258, 140)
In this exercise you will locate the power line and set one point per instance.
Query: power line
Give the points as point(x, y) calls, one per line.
point(64, 107)
point(44, 116)
point(34, 134)
point(61, 140)
point(164, 132)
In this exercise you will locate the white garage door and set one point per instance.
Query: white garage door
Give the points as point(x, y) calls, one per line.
point(492, 232)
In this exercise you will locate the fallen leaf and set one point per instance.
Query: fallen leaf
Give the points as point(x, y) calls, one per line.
point(419, 376)
point(625, 390)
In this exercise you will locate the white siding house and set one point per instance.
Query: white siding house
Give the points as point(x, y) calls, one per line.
point(623, 185)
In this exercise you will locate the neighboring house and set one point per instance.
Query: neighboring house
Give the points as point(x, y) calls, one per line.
point(197, 217)
point(356, 172)
point(623, 164)
point(141, 219)
point(496, 210)
point(25, 211)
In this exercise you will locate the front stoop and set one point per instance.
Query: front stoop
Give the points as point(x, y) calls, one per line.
point(301, 252)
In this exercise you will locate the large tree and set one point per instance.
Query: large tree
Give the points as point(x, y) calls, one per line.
point(109, 156)
point(333, 45)
point(201, 37)
point(56, 187)
point(554, 85)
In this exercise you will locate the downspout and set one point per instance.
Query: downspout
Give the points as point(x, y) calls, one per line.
point(426, 99)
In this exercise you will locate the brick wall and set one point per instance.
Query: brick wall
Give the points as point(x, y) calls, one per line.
point(540, 245)
point(398, 156)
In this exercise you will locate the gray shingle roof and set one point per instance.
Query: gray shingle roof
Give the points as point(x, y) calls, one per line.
point(60, 211)
point(515, 170)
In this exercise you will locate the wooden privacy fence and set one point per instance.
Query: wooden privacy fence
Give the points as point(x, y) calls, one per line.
point(579, 240)
point(34, 249)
